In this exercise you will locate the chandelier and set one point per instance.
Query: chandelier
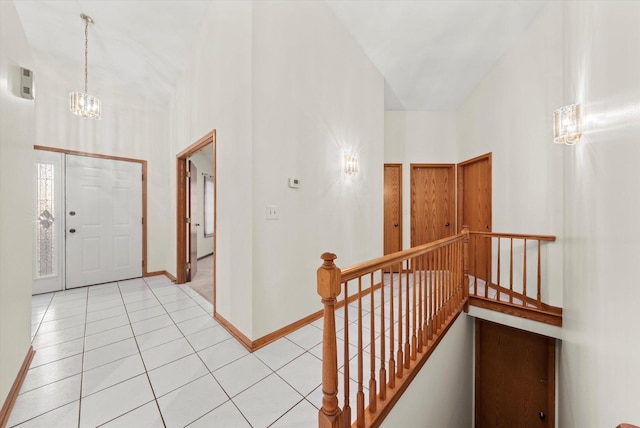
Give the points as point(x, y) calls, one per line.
point(81, 103)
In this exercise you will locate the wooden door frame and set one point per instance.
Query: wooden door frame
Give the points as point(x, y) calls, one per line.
point(181, 208)
point(143, 164)
point(460, 190)
point(401, 216)
point(551, 367)
point(412, 167)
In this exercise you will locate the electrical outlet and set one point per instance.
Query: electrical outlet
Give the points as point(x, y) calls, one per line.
point(272, 212)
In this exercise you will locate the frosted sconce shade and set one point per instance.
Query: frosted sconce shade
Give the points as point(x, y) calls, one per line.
point(567, 124)
point(350, 164)
point(85, 105)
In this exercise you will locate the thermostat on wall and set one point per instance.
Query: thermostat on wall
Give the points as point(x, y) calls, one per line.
point(294, 183)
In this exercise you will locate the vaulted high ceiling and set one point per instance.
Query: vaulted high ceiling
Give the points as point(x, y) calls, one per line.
point(432, 53)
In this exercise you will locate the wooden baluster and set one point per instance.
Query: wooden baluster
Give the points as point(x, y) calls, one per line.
point(414, 311)
point(439, 287)
point(539, 302)
point(434, 290)
point(372, 340)
point(489, 265)
point(459, 273)
point(420, 303)
point(484, 274)
point(460, 270)
point(328, 285)
point(392, 361)
point(524, 276)
point(449, 273)
point(465, 267)
point(498, 294)
point(432, 281)
point(383, 340)
point(445, 282)
point(400, 354)
point(452, 276)
point(511, 271)
point(346, 408)
point(487, 261)
point(443, 271)
point(475, 264)
point(425, 327)
point(407, 326)
point(360, 393)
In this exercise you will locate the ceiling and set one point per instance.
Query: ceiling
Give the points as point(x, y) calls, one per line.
point(432, 53)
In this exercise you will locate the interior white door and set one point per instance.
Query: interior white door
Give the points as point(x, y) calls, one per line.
point(103, 220)
point(48, 227)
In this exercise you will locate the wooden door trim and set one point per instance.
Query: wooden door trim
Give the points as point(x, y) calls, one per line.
point(143, 164)
point(460, 189)
point(181, 208)
point(413, 167)
point(401, 216)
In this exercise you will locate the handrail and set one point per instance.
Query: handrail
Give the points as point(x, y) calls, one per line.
point(426, 289)
point(516, 235)
point(353, 272)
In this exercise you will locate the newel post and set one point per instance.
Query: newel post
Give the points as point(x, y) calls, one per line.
point(465, 267)
point(329, 278)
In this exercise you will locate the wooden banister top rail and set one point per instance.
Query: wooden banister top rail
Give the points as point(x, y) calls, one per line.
point(359, 269)
point(516, 236)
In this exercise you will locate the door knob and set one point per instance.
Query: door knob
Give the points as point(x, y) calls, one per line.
point(541, 415)
point(72, 231)
point(447, 224)
point(72, 213)
point(395, 224)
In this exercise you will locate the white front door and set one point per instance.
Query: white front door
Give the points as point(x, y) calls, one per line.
point(103, 220)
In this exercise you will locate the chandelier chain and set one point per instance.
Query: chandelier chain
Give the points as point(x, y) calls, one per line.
point(86, 54)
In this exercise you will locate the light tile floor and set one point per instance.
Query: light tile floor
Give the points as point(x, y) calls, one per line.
point(147, 353)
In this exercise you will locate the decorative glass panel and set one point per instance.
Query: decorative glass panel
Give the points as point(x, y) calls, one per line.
point(46, 233)
point(208, 206)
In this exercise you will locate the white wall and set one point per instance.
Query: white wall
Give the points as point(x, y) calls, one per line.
point(510, 115)
point(215, 93)
point(287, 90)
point(204, 164)
point(315, 95)
point(441, 394)
point(418, 137)
point(17, 137)
point(600, 354)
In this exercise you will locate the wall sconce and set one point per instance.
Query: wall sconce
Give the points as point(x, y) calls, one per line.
point(350, 164)
point(567, 124)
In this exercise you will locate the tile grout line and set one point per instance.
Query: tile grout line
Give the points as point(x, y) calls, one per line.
point(82, 364)
point(146, 372)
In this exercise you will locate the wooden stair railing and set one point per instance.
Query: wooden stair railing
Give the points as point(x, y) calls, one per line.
point(402, 305)
point(514, 287)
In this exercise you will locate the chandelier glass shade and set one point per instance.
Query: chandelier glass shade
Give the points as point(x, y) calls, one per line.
point(81, 103)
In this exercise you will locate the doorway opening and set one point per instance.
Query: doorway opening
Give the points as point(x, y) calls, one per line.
point(196, 211)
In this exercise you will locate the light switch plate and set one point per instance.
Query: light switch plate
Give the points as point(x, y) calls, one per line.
point(272, 212)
